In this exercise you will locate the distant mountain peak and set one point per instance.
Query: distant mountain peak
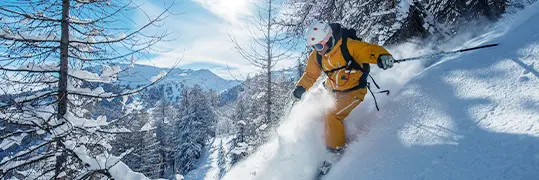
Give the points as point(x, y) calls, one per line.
point(140, 74)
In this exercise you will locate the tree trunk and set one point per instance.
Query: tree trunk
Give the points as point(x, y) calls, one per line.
point(163, 144)
point(268, 88)
point(62, 84)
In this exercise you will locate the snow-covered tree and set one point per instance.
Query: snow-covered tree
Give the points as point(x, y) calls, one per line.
point(164, 115)
point(194, 126)
point(47, 52)
point(221, 160)
point(250, 129)
point(266, 47)
point(142, 141)
point(132, 140)
point(389, 22)
point(153, 162)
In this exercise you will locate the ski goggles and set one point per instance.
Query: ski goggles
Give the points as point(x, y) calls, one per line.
point(320, 46)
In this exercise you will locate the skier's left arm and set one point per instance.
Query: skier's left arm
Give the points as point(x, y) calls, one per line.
point(312, 72)
point(371, 53)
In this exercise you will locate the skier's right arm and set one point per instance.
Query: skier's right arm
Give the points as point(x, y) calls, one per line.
point(312, 72)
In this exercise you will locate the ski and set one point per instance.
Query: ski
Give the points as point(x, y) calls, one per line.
point(326, 165)
point(323, 170)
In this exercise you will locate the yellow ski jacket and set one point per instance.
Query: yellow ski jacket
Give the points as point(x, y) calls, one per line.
point(343, 79)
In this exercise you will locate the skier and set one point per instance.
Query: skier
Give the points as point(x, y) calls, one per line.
point(345, 59)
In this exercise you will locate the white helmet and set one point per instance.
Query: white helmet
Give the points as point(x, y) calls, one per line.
point(317, 32)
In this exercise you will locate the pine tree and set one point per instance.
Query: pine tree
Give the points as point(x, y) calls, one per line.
point(131, 140)
point(164, 115)
point(48, 49)
point(152, 163)
point(221, 160)
point(142, 141)
point(390, 22)
point(251, 130)
point(194, 126)
point(265, 49)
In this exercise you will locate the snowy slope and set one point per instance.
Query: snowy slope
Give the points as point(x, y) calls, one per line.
point(469, 116)
point(215, 160)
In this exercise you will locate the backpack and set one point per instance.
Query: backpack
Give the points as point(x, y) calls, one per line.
point(351, 64)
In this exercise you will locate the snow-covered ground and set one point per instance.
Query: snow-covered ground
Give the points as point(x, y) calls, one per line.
point(473, 115)
point(209, 165)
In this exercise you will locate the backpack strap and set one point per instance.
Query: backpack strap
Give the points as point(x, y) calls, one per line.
point(319, 60)
point(379, 92)
point(347, 56)
point(365, 68)
point(350, 62)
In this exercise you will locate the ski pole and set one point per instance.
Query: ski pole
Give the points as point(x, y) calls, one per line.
point(445, 53)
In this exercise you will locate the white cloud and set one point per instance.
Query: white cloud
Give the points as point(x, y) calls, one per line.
point(205, 40)
point(229, 10)
point(203, 43)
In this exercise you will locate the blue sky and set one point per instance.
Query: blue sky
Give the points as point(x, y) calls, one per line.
point(203, 28)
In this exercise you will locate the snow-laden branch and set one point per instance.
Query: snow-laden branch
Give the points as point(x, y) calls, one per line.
point(17, 132)
point(8, 142)
point(37, 95)
point(100, 93)
point(34, 68)
point(73, 121)
point(11, 165)
point(75, 19)
point(121, 130)
point(40, 67)
point(31, 116)
point(110, 163)
point(90, 1)
point(86, 123)
point(28, 37)
point(30, 98)
point(159, 76)
point(25, 152)
point(108, 74)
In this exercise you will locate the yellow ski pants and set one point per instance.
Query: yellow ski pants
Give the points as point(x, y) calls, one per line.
point(334, 127)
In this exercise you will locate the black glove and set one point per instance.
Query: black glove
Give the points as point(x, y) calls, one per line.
point(385, 61)
point(298, 92)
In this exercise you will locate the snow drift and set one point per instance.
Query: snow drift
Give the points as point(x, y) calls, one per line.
point(469, 116)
